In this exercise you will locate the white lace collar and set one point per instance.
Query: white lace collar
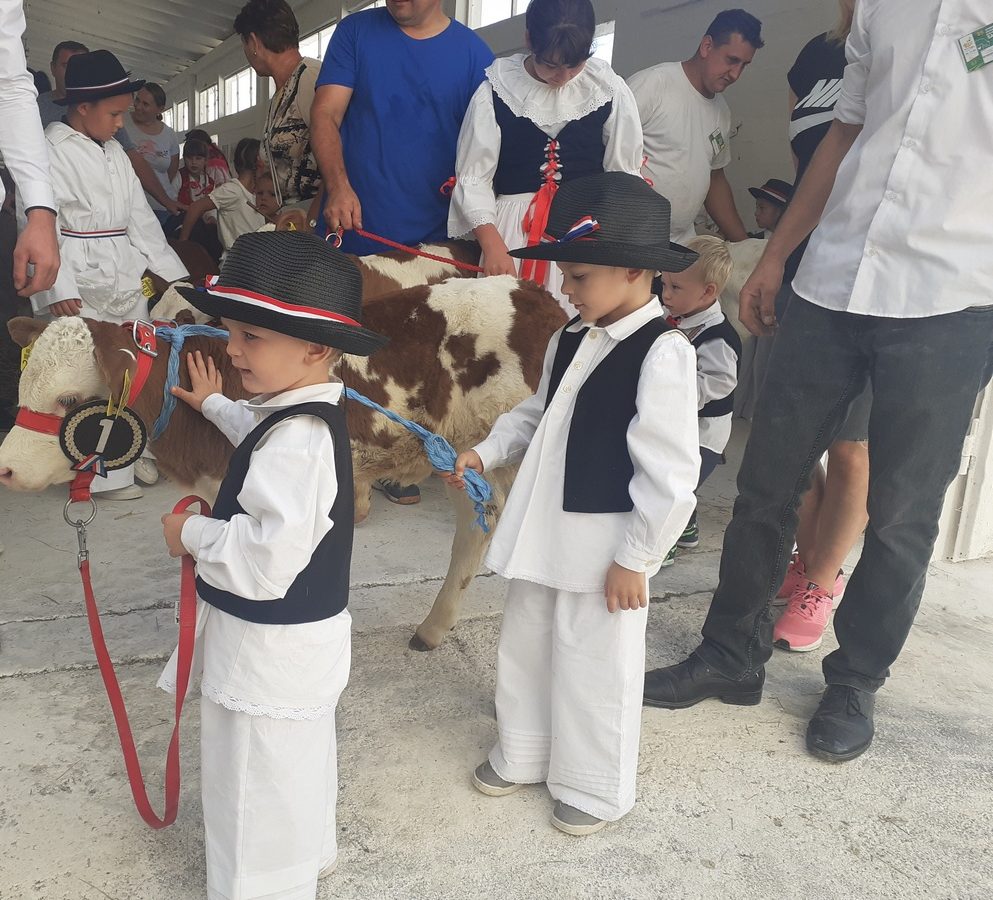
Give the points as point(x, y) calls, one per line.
point(545, 105)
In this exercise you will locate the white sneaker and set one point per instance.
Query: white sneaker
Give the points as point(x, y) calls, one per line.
point(146, 471)
point(128, 492)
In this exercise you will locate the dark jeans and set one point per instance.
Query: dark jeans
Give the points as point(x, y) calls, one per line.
point(925, 375)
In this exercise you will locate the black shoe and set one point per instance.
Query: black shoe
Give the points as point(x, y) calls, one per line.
point(677, 687)
point(404, 494)
point(842, 727)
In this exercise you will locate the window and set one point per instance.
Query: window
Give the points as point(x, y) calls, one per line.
point(239, 92)
point(603, 43)
point(168, 118)
point(207, 105)
point(316, 45)
point(486, 12)
point(181, 117)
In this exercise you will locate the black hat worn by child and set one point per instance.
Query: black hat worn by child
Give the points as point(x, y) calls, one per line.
point(96, 76)
point(293, 283)
point(611, 219)
point(775, 190)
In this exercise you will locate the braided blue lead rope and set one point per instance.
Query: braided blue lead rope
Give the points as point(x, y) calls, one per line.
point(176, 336)
point(441, 455)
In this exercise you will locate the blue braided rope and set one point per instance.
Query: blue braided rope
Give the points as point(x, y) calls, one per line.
point(440, 453)
point(176, 336)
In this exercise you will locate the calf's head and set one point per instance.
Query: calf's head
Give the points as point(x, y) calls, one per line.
point(72, 360)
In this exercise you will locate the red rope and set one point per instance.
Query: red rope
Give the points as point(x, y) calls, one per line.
point(335, 237)
point(187, 631)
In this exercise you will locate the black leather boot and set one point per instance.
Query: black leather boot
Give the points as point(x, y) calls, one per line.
point(686, 684)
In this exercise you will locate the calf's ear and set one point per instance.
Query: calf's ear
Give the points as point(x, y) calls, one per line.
point(24, 329)
point(115, 353)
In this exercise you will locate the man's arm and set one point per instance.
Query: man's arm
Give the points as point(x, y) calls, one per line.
point(720, 205)
point(801, 217)
point(326, 115)
point(22, 142)
point(150, 182)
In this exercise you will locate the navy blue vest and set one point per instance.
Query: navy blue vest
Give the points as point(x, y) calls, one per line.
point(524, 149)
point(321, 589)
point(598, 467)
point(723, 331)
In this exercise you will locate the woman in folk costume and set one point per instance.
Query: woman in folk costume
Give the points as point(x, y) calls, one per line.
point(108, 234)
point(540, 119)
point(273, 629)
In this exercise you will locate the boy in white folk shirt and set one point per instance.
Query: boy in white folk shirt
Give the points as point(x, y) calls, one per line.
point(273, 628)
point(609, 458)
point(691, 300)
point(108, 234)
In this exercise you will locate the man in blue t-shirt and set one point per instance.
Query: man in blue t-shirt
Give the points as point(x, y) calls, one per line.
point(390, 100)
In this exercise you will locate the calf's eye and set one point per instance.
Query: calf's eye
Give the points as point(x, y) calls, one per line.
point(68, 401)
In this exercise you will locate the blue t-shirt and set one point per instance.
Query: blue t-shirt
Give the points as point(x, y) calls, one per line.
point(402, 125)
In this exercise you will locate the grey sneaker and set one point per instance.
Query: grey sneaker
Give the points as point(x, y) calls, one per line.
point(574, 821)
point(146, 471)
point(404, 494)
point(486, 781)
point(328, 870)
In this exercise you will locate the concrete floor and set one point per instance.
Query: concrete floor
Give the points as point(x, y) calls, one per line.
point(730, 805)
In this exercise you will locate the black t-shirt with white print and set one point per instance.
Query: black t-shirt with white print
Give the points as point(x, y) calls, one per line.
point(816, 79)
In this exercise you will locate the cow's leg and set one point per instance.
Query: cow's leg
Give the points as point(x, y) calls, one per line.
point(363, 492)
point(468, 548)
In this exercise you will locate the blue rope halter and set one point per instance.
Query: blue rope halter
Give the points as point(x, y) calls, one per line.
point(440, 453)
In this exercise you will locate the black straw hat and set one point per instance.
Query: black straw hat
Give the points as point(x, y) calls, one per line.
point(291, 282)
point(96, 76)
point(774, 190)
point(613, 219)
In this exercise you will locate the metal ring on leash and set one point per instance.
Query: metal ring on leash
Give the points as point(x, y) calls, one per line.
point(334, 238)
point(80, 523)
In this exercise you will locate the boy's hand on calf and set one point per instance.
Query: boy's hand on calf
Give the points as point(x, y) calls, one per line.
point(66, 308)
point(625, 589)
point(204, 380)
point(172, 531)
point(467, 460)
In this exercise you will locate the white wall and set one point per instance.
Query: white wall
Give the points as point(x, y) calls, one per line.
point(653, 31)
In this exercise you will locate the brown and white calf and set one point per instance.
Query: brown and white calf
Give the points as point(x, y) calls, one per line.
point(384, 273)
point(460, 354)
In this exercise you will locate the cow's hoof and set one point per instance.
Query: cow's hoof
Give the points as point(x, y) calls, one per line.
point(416, 643)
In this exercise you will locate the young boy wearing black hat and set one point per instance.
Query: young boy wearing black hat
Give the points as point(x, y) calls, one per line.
point(771, 201)
point(108, 235)
point(609, 459)
point(273, 630)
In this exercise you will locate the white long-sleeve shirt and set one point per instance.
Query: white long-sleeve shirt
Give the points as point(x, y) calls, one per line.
point(536, 539)
point(22, 141)
point(907, 231)
point(96, 189)
point(280, 671)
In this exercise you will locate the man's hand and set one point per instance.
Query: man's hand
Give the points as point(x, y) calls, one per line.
point(172, 531)
point(65, 308)
point(343, 209)
point(467, 460)
point(174, 206)
point(625, 589)
point(757, 302)
point(205, 380)
point(38, 246)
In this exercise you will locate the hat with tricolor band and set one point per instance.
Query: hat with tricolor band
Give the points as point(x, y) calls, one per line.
point(293, 283)
point(96, 76)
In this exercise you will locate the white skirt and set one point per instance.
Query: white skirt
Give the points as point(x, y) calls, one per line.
point(510, 212)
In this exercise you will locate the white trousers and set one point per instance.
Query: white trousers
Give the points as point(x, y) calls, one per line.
point(570, 677)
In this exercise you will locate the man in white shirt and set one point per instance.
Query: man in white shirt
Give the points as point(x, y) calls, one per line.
point(22, 143)
point(895, 286)
point(687, 124)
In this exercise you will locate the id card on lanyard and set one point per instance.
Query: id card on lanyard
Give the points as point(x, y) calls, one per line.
point(977, 48)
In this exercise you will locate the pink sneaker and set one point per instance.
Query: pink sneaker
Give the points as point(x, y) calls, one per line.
point(801, 627)
point(793, 581)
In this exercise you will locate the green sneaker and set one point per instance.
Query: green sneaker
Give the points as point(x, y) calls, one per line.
point(690, 538)
point(670, 559)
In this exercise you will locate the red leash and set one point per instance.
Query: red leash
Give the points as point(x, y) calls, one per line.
point(335, 238)
point(187, 632)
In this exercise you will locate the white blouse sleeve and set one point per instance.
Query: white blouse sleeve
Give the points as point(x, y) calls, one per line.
point(476, 157)
point(622, 137)
point(145, 232)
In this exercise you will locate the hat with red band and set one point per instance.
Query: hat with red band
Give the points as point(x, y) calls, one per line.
point(290, 282)
point(775, 190)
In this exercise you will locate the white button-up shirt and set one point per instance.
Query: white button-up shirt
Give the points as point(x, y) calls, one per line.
point(536, 539)
point(908, 229)
point(22, 141)
point(280, 671)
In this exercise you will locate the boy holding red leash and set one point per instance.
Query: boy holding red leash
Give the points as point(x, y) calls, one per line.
point(273, 630)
